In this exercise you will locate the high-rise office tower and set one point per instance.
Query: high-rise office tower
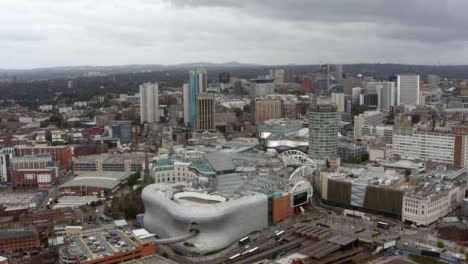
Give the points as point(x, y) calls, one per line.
point(349, 83)
point(205, 112)
point(307, 84)
point(265, 109)
point(408, 89)
point(338, 99)
point(149, 103)
point(323, 132)
point(224, 77)
point(186, 102)
point(339, 72)
point(356, 95)
point(198, 83)
point(386, 95)
point(279, 75)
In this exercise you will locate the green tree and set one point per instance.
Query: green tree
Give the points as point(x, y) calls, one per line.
point(133, 179)
point(131, 212)
point(462, 250)
point(247, 108)
point(407, 172)
point(365, 156)
point(440, 244)
point(358, 109)
point(238, 112)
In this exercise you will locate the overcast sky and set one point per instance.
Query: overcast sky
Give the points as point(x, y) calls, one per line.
point(43, 33)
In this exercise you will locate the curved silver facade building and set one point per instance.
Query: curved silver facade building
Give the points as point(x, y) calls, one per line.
point(221, 223)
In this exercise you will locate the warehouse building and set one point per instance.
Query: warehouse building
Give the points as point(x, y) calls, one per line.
point(100, 184)
point(128, 162)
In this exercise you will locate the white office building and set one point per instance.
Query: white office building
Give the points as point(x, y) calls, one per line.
point(433, 196)
point(368, 118)
point(408, 89)
point(149, 103)
point(427, 146)
point(262, 90)
point(279, 75)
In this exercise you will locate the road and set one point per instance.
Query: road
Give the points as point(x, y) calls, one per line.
point(52, 192)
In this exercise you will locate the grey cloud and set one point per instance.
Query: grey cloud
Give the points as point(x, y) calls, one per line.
point(424, 20)
point(73, 32)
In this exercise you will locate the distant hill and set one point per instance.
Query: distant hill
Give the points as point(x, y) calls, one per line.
point(39, 86)
point(71, 72)
point(378, 70)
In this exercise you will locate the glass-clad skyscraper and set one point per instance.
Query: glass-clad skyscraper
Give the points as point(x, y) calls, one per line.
point(197, 84)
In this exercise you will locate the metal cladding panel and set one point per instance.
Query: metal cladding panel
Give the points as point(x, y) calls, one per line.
point(383, 200)
point(339, 192)
point(220, 224)
point(358, 192)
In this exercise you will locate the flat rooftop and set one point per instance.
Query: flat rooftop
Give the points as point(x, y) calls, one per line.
point(113, 158)
point(367, 175)
point(98, 245)
point(220, 161)
point(103, 180)
point(17, 232)
point(154, 259)
point(433, 183)
point(74, 201)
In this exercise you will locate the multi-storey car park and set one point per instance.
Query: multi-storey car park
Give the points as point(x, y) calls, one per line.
point(113, 246)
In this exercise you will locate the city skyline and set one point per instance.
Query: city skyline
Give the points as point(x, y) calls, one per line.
point(46, 34)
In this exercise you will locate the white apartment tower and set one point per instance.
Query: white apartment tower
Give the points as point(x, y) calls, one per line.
point(149, 103)
point(408, 89)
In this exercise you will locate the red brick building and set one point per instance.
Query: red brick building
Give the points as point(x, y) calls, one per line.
point(18, 239)
point(282, 208)
point(307, 84)
point(33, 171)
point(457, 232)
point(62, 155)
point(95, 131)
point(83, 150)
point(42, 178)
